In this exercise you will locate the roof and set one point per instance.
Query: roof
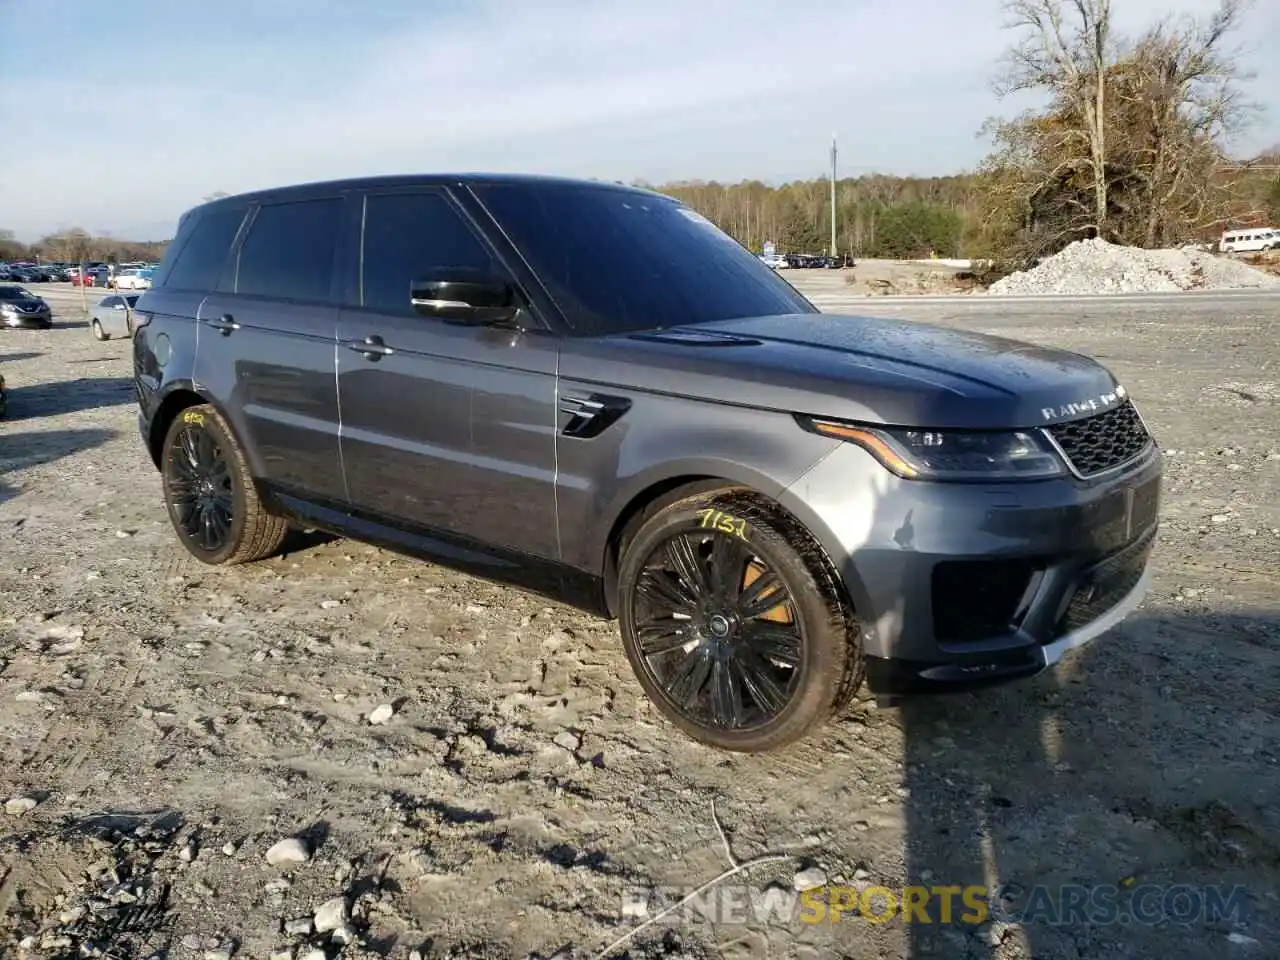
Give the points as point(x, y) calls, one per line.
point(420, 180)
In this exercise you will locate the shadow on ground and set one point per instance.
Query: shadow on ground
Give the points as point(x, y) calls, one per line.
point(67, 396)
point(15, 357)
point(300, 541)
point(1121, 806)
point(19, 451)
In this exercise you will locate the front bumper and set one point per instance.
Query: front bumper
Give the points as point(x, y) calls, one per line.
point(29, 321)
point(959, 586)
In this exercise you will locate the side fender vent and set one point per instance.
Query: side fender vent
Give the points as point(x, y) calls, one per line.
point(591, 415)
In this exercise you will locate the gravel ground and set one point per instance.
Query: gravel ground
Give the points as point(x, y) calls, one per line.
point(467, 770)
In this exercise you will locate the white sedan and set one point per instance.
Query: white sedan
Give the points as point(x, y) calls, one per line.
point(133, 279)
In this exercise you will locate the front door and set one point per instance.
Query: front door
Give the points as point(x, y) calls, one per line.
point(444, 428)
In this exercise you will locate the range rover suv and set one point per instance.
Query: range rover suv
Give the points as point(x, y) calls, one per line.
point(590, 391)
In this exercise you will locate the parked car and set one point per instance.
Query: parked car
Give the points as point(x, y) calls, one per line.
point(20, 307)
point(91, 277)
point(112, 316)
point(775, 503)
point(132, 278)
point(1247, 241)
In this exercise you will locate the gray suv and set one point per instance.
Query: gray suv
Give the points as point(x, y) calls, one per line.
point(590, 391)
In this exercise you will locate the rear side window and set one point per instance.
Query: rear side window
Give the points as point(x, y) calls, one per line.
point(406, 235)
point(288, 253)
point(198, 262)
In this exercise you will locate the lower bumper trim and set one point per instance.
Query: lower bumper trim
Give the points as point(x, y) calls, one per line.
point(892, 677)
point(1051, 653)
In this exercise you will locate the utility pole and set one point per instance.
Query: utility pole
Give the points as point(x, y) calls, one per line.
point(833, 195)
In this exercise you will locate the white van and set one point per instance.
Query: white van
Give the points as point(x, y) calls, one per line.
point(1240, 241)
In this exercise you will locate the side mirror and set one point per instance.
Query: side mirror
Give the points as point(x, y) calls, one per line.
point(465, 297)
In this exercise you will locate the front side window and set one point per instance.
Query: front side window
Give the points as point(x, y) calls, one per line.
point(617, 261)
point(407, 236)
point(288, 252)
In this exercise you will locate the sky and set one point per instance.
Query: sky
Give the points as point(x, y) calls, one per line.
point(118, 118)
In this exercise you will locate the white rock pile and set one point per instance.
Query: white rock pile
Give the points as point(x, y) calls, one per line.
point(1095, 266)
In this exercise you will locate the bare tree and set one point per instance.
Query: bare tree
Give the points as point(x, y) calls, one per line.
point(73, 245)
point(10, 247)
point(1131, 144)
point(1182, 100)
point(1065, 51)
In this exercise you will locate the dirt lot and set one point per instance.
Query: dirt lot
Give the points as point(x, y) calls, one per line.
point(173, 722)
point(878, 278)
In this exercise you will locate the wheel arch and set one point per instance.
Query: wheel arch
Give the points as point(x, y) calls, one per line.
point(179, 396)
point(659, 493)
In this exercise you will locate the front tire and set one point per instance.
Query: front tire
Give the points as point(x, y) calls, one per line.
point(210, 495)
point(98, 332)
point(733, 623)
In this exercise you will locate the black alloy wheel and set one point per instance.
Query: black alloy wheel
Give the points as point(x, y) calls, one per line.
point(734, 628)
point(717, 630)
point(209, 492)
point(200, 488)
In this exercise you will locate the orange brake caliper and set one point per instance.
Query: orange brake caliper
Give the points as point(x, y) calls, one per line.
point(779, 614)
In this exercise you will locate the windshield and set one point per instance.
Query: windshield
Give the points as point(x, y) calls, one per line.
point(617, 261)
point(14, 293)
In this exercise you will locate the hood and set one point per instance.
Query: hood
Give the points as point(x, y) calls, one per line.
point(895, 372)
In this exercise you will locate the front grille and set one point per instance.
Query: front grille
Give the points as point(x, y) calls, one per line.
point(1106, 584)
point(976, 600)
point(1097, 444)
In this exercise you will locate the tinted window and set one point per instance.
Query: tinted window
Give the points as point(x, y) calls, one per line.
point(13, 293)
point(110, 301)
point(288, 252)
point(406, 235)
point(618, 260)
point(197, 264)
point(133, 299)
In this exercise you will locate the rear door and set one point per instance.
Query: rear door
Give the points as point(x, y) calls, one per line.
point(267, 342)
point(444, 428)
point(164, 350)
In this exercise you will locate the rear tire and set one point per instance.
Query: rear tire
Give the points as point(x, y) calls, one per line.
point(98, 332)
point(210, 495)
point(733, 623)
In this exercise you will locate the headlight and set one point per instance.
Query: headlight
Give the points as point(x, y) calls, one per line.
point(8, 310)
point(918, 454)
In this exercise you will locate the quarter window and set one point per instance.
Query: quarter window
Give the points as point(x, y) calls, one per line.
point(199, 262)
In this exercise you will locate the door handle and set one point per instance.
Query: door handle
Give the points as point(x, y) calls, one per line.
point(371, 347)
point(225, 324)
